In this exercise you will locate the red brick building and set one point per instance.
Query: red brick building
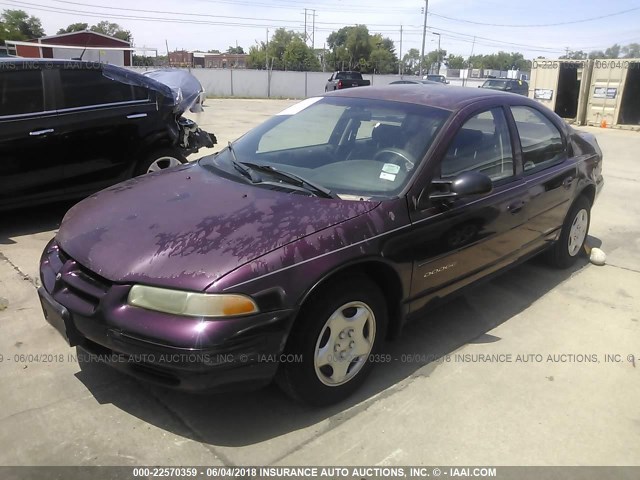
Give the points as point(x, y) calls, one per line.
point(181, 58)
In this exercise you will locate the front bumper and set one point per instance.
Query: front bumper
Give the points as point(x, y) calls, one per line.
point(186, 353)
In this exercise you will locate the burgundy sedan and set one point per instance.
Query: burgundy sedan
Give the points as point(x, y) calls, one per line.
point(296, 251)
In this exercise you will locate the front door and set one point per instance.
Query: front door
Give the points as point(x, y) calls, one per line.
point(452, 242)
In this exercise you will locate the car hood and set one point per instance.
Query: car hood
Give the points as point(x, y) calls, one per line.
point(187, 227)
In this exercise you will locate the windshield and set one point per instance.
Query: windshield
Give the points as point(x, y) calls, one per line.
point(498, 84)
point(356, 148)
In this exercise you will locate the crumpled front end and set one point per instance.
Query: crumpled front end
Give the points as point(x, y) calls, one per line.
point(181, 91)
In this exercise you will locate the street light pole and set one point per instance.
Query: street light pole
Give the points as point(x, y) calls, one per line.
point(424, 34)
point(439, 60)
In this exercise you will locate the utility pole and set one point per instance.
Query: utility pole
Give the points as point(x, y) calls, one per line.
point(400, 58)
point(266, 52)
point(424, 34)
point(473, 45)
point(439, 60)
point(305, 25)
point(313, 31)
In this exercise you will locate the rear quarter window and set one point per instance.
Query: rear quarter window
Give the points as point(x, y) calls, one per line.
point(541, 141)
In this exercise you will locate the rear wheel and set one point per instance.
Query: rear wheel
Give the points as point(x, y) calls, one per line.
point(161, 159)
point(573, 235)
point(335, 335)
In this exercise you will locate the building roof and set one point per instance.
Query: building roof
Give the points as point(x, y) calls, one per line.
point(84, 32)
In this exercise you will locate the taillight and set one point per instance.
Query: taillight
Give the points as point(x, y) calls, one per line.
point(340, 84)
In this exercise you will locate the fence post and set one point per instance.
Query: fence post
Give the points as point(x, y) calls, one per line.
point(305, 85)
point(269, 83)
point(231, 72)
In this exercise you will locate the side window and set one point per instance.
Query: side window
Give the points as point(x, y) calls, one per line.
point(84, 88)
point(21, 92)
point(540, 139)
point(481, 145)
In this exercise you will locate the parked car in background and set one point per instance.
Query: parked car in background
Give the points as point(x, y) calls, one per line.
point(507, 85)
point(415, 82)
point(296, 251)
point(436, 78)
point(70, 128)
point(342, 80)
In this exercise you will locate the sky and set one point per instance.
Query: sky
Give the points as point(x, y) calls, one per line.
point(534, 28)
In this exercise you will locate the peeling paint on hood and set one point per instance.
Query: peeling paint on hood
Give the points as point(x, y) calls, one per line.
point(186, 227)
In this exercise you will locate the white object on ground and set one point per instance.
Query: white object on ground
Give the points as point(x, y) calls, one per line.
point(597, 257)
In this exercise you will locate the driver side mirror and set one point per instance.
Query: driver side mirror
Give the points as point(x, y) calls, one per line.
point(465, 184)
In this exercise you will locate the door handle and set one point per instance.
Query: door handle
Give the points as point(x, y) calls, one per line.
point(566, 183)
point(516, 207)
point(136, 115)
point(37, 133)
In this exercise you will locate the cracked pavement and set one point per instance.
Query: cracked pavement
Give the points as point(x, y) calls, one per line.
point(414, 410)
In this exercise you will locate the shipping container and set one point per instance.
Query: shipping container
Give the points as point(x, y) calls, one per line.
point(563, 86)
point(614, 93)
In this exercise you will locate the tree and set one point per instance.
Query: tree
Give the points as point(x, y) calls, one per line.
point(631, 51)
point(74, 27)
point(286, 51)
point(500, 61)
point(455, 61)
point(257, 57)
point(213, 51)
point(113, 30)
point(575, 55)
point(432, 59)
point(298, 56)
point(383, 57)
point(350, 46)
point(613, 51)
point(235, 50)
point(18, 25)
point(411, 61)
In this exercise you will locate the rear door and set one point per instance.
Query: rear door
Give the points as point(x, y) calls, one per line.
point(102, 123)
point(548, 169)
point(461, 239)
point(30, 157)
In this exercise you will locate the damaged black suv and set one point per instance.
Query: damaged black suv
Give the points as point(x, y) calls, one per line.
point(70, 128)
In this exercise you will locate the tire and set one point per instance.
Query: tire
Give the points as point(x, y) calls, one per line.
point(159, 160)
point(575, 229)
point(335, 354)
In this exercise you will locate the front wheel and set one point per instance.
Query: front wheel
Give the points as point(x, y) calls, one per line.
point(334, 339)
point(160, 159)
point(573, 235)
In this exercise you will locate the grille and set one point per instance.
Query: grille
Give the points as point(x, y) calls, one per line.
point(79, 287)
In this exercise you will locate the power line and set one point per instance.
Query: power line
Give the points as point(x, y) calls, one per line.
point(570, 22)
point(280, 23)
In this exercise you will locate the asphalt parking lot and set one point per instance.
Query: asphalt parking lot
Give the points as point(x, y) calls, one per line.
point(559, 400)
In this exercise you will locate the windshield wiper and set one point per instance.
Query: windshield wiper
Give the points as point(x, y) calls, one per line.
point(242, 168)
point(318, 190)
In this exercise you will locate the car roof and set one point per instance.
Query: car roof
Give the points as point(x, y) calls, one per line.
point(450, 98)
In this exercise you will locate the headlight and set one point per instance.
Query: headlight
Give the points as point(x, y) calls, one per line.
point(189, 303)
